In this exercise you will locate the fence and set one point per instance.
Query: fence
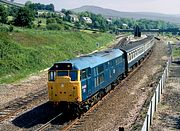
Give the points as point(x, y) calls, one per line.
point(155, 99)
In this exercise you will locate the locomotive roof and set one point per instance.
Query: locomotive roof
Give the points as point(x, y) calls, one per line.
point(135, 44)
point(94, 59)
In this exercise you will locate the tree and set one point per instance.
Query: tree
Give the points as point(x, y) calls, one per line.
point(12, 10)
point(78, 24)
point(3, 14)
point(50, 20)
point(50, 7)
point(63, 11)
point(24, 17)
point(28, 3)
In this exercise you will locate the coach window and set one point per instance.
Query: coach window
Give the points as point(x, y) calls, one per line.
point(129, 56)
point(132, 55)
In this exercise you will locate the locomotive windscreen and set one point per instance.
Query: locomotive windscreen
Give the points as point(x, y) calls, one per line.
point(62, 66)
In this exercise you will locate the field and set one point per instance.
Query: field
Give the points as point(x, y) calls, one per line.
point(27, 51)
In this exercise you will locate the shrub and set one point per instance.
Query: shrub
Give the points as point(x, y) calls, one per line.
point(4, 28)
point(53, 26)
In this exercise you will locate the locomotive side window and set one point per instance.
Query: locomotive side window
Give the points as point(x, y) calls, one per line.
point(117, 61)
point(52, 75)
point(85, 73)
point(100, 69)
point(101, 78)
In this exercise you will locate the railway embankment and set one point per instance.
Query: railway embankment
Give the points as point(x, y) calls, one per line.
point(28, 51)
point(167, 117)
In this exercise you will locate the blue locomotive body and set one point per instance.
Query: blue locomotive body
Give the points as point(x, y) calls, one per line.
point(101, 70)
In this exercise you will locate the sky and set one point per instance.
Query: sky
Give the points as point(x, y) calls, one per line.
point(158, 6)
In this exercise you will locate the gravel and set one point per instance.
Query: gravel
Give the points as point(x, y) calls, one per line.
point(34, 83)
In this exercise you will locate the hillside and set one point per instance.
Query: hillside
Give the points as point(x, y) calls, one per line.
point(135, 15)
point(11, 3)
point(27, 51)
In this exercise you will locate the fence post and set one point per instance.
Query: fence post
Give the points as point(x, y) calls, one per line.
point(151, 117)
point(163, 80)
point(147, 123)
point(158, 93)
point(155, 101)
point(161, 87)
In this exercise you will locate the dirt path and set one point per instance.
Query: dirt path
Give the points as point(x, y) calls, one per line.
point(9, 92)
point(122, 107)
point(167, 117)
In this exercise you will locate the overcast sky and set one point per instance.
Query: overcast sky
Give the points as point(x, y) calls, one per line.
point(159, 6)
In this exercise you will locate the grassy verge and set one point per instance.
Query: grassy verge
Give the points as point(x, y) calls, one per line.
point(28, 51)
point(176, 52)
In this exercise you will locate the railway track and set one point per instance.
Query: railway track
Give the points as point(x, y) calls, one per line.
point(17, 105)
point(48, 124)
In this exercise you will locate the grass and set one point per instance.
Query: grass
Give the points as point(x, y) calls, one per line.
point(27, 51)
point(89, 31)
point(176, 52)
point(43, 22)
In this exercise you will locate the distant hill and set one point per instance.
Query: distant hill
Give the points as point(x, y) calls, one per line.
point(11, 3)
point(135, 15)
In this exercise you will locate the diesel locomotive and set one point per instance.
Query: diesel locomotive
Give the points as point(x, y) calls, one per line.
point(80, 82)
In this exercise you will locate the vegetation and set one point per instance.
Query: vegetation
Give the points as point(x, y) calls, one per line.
point(176, 52)
point(53, 36)
point(39, 6)
point(26, 51)
point(3, 14)
point(24, 17)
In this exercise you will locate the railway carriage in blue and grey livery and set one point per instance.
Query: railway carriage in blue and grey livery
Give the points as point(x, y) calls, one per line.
point(137, 51)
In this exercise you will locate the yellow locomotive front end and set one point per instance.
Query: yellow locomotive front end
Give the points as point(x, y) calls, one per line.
point(64, 84)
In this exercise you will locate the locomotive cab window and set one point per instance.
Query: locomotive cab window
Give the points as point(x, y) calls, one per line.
point(73, 75)
point(62, 73)
point(52, 75)
point(85, 73)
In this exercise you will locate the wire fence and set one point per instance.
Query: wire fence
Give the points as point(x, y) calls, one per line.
point(156, 98)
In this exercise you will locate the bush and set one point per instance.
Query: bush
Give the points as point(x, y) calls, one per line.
point(11, 28)
point(4, 28)
point(53, 26)
point(50, 20)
